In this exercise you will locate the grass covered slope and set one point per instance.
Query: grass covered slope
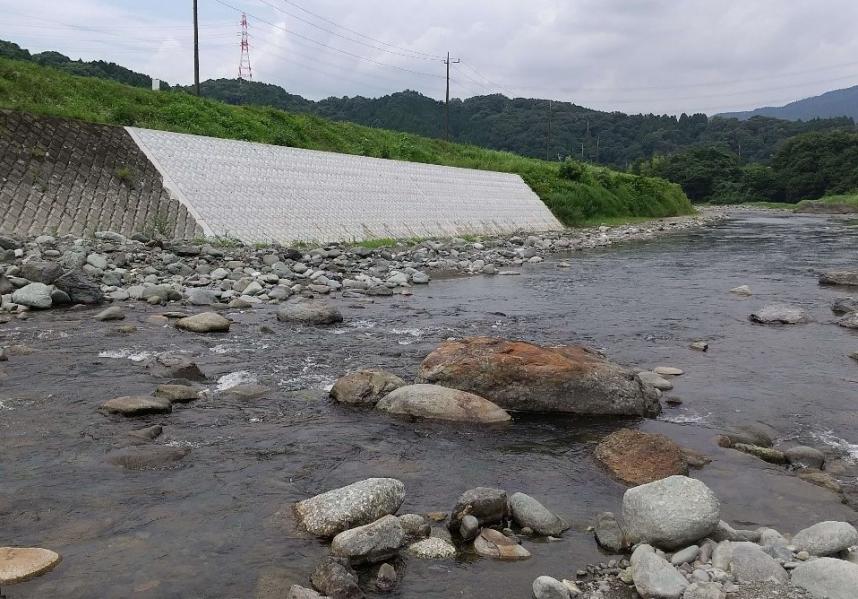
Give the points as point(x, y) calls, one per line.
point(580, 194)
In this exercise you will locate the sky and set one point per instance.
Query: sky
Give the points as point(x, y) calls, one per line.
point(633, 56)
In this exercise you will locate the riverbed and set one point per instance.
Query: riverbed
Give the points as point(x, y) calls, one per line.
point(220, 524)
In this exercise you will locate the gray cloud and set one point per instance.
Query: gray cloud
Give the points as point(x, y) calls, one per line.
point(629, 55)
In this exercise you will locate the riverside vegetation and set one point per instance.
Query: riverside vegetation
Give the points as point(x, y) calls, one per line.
point(578, 195)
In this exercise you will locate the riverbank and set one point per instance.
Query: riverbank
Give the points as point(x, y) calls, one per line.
point(112, 267)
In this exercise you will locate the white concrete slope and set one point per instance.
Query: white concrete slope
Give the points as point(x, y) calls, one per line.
point(263, 193)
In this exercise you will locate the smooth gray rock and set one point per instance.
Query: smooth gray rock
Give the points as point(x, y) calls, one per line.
point(112, 313)
point(365, 387)
point(356, 504)
point(653, 576)
point(845, 305)
point(609, 533)
point(826, 538)
point(725, 532)
point(546, 587)
point(441, 403)
point(655, 380)
point(827, 578)
point(722, 555)
point(779, 314)
point(137, 405)
point(386, 578)
point(299, 592)
point(309, 313)
point(670, 513)
point(704, 590)
point(469, 528)
point(34, 295)
point(162, 292)
point(685, 556)
point(528, 512)
point(805, 457)
point(752, 564)
point(201, 297)
point(415, 526)
point(207, 322)
point(487, 505)
point(839, 277)
point(370, 543)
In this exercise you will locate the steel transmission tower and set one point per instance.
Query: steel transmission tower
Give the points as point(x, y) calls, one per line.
point(244, 69)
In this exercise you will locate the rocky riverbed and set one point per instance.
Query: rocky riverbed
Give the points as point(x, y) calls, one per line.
point(160, 461)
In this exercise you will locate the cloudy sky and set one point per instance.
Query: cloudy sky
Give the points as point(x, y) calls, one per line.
point(661, 56)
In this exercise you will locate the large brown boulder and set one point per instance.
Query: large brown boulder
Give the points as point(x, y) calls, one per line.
point(522, 376)
point(637, 458)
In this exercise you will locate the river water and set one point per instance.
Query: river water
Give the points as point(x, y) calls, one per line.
point(221, 524)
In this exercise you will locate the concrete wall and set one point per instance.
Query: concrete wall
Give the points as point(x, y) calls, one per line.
point(62, 176)
point(262, 193)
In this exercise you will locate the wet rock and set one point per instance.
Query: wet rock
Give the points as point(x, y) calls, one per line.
point(176, 366)
point(725, 532)
point(752, 564)
point(528, 512)
point(432, 548)
point(159, 293)
point(805, 457)
point(60, 298)
point(741, 290)
point(41, 271)
point(655, 380)
point(146, 434)
point(365, 387)
point(850, 321)
point(668, 371)
point(753, 434)
point(385, 579)
point(609, 533)
point(34, 295)
point(360, 503)
point(309, 313)
point(18, 564)
point(653, 576)
point(299, 592)
point(839, 277)
point(152, 457)
point(415, 526)
point(137, 405)
point(80, 288)
point(245, 392)
point(521, 376)
point(699, 346)
point(177, 393)
point(845, 305)
point(767, 454)
point(370, 543)
point(546, 587)
point(827, 578)
point(821, 479)
point(636, 457)
point(779, 314)
point(670, 513)
point(335, 578)
point(491, 543)
point(487, 505)
point(207, 322)
point(441, 403)
point(826, 538)
point(469, 528)
point(112, 313)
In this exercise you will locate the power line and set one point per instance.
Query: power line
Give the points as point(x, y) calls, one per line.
point(321, 18)
point(329, 47)
point(406, 54)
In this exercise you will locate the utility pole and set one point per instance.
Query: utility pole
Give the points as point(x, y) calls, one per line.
point(447, 101)
point(548, 136)
point(196, 51)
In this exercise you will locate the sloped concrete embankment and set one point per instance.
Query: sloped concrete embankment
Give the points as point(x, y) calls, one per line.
point(61, 176)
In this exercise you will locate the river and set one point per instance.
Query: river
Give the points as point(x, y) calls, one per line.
point(220, 525)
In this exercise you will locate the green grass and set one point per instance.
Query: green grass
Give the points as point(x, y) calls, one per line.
point(596, 193)
point(382, 242)
point(848, 199)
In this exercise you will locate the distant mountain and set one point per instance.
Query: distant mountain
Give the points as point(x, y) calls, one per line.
point(833, 104)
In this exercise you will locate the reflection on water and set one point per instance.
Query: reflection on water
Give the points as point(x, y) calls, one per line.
point(220, 525)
